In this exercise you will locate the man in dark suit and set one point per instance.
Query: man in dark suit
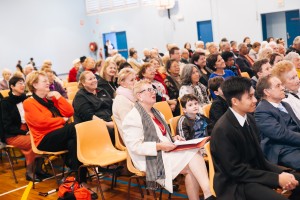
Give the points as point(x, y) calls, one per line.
point(242, 60)
point(278, 124)
point(241, 171)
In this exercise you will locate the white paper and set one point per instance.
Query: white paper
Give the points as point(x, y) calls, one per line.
point(193, 141)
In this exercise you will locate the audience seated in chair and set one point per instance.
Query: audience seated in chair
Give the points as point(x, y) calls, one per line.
point(92, 103)
point(287, 74)
point(261, 68)
point(124, 101)
point(15, 128)
point(149, 142)
point(107, 79)
point(241, 170)
point(46, 114)
point(279, 127)
point(219, 105)
point(6, 73)
point(192, 125)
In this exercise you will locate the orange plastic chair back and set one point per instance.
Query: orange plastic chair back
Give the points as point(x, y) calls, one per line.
point(165, 109)
point(173, 124)
point(206, 110)
point(94, 145)
point(211, 171)
point(245, 74)
point(132, 168)
point(119, 144)
point(4, 93)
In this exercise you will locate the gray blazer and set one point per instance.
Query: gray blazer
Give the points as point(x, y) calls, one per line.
point(275, 136)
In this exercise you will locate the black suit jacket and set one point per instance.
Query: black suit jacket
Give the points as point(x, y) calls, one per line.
point(244, 65)
point(233, 168)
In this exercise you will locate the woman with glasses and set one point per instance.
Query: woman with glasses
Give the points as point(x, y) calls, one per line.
point(150, 144)
point(148, 72)
point(15, 128)
point(46, 114)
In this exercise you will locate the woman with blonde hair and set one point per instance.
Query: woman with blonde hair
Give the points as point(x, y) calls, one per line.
point(92, 103)
point(107, 79)
point(150, 144)
point(124, 100)
point(6, 73)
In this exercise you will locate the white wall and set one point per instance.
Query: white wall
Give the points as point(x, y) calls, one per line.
point(276, 25)
point(50, 29)
point(43, 30)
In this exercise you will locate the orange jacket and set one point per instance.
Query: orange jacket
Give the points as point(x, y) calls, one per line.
point(40, 120)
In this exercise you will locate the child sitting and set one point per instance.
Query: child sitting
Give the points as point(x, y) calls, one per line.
point(219, 106)
point(192, 125)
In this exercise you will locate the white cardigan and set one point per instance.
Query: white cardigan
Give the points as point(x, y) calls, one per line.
point(120, 108)
point(174, 162)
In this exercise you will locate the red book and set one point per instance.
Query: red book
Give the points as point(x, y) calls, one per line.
point(190, 144)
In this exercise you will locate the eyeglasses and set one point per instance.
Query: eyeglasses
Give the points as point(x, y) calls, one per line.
point(149, 90)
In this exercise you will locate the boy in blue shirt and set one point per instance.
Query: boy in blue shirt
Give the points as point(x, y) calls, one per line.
point(192, 125)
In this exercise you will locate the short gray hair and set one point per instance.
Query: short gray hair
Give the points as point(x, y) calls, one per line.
point(296, 40)
point(290, 56)
point(186, 74)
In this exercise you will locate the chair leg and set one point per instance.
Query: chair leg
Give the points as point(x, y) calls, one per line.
point(140, 187)
point(154, 194)
point(99, 184)
point(15, 157)
point(33, 169)
point(54, 173)
point(147, 191)
point(128, 189)
point(170, 196)
point(160, 193)
point(11, 164)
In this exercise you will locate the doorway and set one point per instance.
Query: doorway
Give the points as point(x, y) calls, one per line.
point(204, 29)
point(284, 25)
point(118, 41)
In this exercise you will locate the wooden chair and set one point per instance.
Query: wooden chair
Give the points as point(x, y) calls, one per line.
point(245, 74)
point(206, 110)
point(95, 149)
point(6, 148)
point(4, 93)
point(173, 124)
point(165, 109)
point(46, 155)
point(211, 170)
point(119, 144)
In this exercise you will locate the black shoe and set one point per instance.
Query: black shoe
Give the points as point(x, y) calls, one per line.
point(175, 187)
point(28, 178)
point(211, 198)
point(43, 175)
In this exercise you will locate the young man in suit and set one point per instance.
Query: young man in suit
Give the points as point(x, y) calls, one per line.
point(278, 124)
point(241, 171)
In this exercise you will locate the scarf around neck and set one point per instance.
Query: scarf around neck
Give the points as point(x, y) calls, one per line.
point(48, 104)
point(16, 99)
point(126, 92)
point(154, 164)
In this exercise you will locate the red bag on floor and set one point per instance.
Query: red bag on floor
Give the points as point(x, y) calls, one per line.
point(82, 194)
point(68, 186)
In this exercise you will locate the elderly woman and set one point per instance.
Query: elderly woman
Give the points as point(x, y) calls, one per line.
point(287, 73)
point(92, 103)
point(149, 143)
point(54, 85)
point(107, 79)
point(148, 72)
point(15, 127)
point(173, 83)
point(295, 59)
point(190, 85)
point(6, 73)
point(46, 114)
point(124, 100)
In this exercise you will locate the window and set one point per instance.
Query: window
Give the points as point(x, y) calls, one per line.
point(98, 6)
